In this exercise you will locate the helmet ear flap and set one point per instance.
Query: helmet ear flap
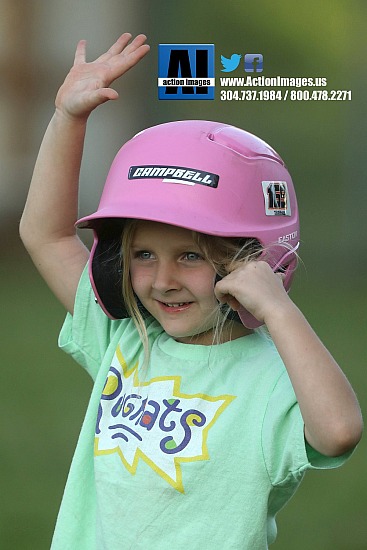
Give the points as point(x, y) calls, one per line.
point(106, 270)
point(287, 265)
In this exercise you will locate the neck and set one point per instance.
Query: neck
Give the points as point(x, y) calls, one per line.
point(230, 331)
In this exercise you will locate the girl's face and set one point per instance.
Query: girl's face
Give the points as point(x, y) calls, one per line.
point(173, 281)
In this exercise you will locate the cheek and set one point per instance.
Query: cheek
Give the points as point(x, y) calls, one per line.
point(204, 285)
point(138, 280)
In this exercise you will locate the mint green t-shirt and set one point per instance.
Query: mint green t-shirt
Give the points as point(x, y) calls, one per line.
point(199, 452)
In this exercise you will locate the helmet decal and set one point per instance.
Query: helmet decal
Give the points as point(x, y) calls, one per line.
point(276, 197)
point(174, 174)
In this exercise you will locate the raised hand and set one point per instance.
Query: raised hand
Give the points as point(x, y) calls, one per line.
point(88, 84)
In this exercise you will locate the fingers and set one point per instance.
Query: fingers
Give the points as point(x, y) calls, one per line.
point(136, 43)
point(137, 48)
point(253, 286)
point(88, 83)
point(80, 52)
point(123, 55)
point(133, 52)
point(127, 59)
point(107, 93)
point(229, 300)
point(102, 95)
point(122, 46)
point(135, 56)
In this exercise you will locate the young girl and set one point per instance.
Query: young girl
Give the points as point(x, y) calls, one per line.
point(199, 427)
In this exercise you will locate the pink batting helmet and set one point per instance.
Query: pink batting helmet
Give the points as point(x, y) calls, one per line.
point(204, 176)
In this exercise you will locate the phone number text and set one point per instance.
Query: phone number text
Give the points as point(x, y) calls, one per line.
point(283, 95)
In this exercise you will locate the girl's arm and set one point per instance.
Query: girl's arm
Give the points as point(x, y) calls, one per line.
point(330, 410)
point(47, 224)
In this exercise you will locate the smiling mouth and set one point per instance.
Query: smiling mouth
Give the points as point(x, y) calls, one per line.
point(178, 304)
point(174, 306)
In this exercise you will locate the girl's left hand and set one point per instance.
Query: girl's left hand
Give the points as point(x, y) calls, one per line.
point(255, 287)
point(88, 84)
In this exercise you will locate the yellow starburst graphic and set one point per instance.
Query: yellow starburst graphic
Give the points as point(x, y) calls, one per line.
point(154, 421)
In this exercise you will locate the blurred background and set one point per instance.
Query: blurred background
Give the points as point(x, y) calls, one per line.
point(43, 393)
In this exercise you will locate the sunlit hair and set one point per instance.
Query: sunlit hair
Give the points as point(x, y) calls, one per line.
point(223, 253)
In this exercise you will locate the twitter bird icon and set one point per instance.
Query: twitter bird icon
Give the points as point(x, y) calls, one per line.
point(230, 64)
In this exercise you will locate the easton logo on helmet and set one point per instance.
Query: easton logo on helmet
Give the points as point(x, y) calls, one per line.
point(174, 174)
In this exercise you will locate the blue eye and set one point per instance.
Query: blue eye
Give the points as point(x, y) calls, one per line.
point(192, 256)
point(144, 255)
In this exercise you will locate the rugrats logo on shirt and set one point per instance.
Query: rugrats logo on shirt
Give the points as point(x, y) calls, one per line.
point(174, 174)
point(154, 422)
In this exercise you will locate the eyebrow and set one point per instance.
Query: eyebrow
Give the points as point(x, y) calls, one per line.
point(185, 246)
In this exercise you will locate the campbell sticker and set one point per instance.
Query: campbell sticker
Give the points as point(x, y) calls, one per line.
point(174, 174)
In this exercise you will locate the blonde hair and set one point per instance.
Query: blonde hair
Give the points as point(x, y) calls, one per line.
point(224, 253)
point(128, 294)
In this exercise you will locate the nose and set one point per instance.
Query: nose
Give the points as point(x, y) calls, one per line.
point(166, 277)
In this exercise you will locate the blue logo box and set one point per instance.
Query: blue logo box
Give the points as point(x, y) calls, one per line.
point(186, 71)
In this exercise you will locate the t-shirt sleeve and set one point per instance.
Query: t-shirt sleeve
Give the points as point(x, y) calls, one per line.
point(86, 334)
point(286, 453)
